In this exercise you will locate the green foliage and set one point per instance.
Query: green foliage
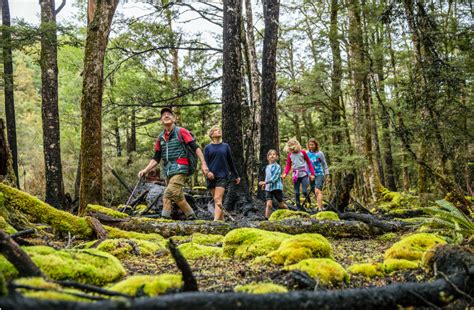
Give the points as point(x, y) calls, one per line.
point(448, 220)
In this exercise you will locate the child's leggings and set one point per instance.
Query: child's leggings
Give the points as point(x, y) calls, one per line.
point(304, 181)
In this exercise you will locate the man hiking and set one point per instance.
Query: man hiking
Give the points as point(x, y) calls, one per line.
point(170, 146)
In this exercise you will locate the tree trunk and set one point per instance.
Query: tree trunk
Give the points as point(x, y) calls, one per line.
point(49, 106)
point(336, 93)
point(118, 143)
point(6, 169)
point(91, 104)
point(132, 137)
point(269, 121)
point(8, 86)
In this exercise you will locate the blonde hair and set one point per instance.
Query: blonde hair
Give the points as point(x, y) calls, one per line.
point(211, 131)
point(292, 146)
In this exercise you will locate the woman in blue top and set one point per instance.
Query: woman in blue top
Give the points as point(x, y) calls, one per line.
point(321, 170)
point(221, 168)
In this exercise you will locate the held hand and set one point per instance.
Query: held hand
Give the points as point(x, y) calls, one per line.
point(237, 181)
point(205, 169)
point(311, 177)
point(210, 175)
point(141, 173)
point(261, 183)
point(283, 175)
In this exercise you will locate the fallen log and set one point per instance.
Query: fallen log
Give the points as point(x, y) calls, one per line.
point(336, 229)
point(373, 221)
point(428, 294)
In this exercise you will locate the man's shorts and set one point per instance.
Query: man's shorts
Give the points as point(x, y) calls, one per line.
point(317, 183)
point(174, 188)
point(216, 182)
point(277, 194)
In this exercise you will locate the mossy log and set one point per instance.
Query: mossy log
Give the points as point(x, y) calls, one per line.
point(439, 293)
point(336, 229)
point(373, 221)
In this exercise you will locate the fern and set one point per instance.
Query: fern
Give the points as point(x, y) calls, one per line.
point(448, 219)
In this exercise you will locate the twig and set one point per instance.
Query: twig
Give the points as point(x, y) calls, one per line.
point(190, 284)
point(23, 233)
point(424, 300)
point(42, 289)
point(91, 288)
point(455, 287)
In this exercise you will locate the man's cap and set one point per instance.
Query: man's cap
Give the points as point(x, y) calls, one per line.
point(166, 109)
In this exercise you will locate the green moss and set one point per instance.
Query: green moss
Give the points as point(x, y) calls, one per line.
point(89, 266)
point(38, 211)
point(284, 214)
point(150, 285)
point(194, 251)
point(181, 239)
point(260, 288)
point(325, 270)
point(400, 212)
point(251, 242)
point(412, 247)
point(300, 247)
point(3, 286)
point(122, 248)
point(326, 215)
point(6, 227)
point(140, 208)
point(115, 233)
point(206, 239)
point(368, 270)
point(391, 264)
point(104, 210)
point(396, 200)
point(387, 236)
point(54, 291)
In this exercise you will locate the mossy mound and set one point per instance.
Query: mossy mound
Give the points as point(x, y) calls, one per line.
point(392, 264)
point(300, 247)
point(38, 211)
point(284, 214)
point(368, 270)
point(327, 271)
point(387, 236)
point(48, 290)
point(260, 288)
point(115, 233)
point(251, 242)
point(88, 266)
point(107, 211)
point(326, 215)
point(149, 285)
point(396, 200)
point(121, 248)
point(9, 229)
point(192, 250)
point(205, 239)
point(412, 247)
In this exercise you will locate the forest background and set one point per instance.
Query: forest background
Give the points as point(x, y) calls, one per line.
point(385, 87)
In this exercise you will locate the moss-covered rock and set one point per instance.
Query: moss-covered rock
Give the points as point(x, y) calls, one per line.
point(368, 270)
point(251, 242)
point(391, 264)
point(284, 214)
point(50, 290)
point(107, 211)
point(38, 211)
point(192, 250)
point(325, 270)
point(207, 239)
point(260, 288)
point(115, 233)
point(88, 266)
point(387, 236)
point(396, 200)
point(300, 247)
point(326, 215)
point(149, 285)
point(9, 229)
point(121, 248)
point(412, 247)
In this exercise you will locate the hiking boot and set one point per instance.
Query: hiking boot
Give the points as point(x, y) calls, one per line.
point(191, 217)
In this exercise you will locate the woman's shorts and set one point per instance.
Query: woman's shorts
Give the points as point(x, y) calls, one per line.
point(216, 182)
point(277, 194)
point(318, 182)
